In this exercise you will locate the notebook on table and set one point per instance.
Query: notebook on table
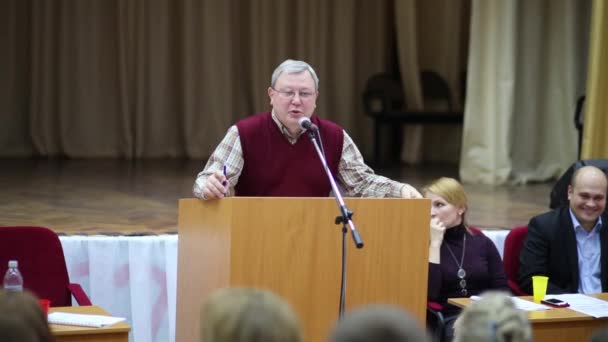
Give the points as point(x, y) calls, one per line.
point(83, 320)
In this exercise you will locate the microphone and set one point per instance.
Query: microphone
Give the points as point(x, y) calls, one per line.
point(305, 123)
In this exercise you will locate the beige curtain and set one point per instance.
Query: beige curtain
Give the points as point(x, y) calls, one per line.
point(527, 67)
point(595, 139)
point(166, 78)
point(432, 35)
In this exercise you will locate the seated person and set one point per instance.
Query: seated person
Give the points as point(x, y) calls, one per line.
point(248, 315)
point(379, 323)
point(461, 263)
point(22, 319)
point(268, 154)
point(568, 244)
point(492, 318)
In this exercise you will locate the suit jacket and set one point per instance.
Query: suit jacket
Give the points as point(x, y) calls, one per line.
point(550, 249)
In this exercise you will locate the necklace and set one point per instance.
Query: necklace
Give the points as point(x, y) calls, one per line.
point(461, 272)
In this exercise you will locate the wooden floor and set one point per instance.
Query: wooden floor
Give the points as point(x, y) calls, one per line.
point(119, 197)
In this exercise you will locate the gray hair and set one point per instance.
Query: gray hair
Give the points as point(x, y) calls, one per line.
point(291, 66)
point(493, 318)
point(377, 323)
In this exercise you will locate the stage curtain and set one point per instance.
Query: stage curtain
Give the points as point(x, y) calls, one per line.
point(432, 35)
point(527, 67)
point(166, 78)
point(595, 139)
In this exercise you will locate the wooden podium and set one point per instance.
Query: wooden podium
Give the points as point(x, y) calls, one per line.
point(292, 247)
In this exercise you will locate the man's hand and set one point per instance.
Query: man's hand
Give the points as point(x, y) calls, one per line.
point(216, 186)
point(408, 191)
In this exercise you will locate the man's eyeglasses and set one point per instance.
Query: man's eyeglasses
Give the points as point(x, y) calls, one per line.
point(290, 94)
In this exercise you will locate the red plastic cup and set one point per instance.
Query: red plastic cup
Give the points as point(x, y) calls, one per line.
point(45, 304)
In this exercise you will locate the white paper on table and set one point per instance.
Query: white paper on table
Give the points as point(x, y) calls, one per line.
point(84, 320)
point(527, 305)
point(584, 304)
point(522, 304)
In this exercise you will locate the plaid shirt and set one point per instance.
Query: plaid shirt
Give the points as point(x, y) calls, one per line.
point(355, 178)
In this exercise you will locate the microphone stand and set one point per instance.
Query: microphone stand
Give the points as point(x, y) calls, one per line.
point(345, 218)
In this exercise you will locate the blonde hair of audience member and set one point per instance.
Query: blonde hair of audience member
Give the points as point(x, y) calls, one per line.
point(379, 323)
point(450, 190)
point(22, 319)
point(248, 315)
point(448, 209)
point(492, 318)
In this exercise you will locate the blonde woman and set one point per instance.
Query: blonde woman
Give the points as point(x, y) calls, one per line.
point(462, 261)
point(248, 315)
point(493, 318)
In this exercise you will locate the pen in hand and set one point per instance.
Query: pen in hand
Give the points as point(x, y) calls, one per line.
point(225, 182)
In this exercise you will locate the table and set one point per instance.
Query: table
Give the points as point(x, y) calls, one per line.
point(556, 324)
point(118, 332)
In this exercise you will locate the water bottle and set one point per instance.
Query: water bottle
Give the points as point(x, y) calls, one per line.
point(13, 281)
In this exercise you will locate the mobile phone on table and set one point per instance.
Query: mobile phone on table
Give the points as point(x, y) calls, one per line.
point(555, 302)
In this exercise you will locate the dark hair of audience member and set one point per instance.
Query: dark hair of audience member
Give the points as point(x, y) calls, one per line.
point(248, 315)
point(600, 335)
point(22, 319)
point(378, 323)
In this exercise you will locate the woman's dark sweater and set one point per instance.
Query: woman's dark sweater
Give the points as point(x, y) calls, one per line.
point(482, 263)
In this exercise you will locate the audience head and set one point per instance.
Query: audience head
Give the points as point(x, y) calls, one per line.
point(587, 195)
point(492, 318)
point(449, 201)
point(248, 315)
point(382, 323)
point(22, 319)
point(600, 335)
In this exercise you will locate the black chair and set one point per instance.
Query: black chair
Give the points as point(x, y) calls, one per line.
point(436, 89)
point(383, 100)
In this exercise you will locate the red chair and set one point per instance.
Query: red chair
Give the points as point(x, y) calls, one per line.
point(514, 242)
point(41, 263)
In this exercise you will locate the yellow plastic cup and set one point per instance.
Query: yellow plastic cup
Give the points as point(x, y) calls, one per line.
point(539, 286)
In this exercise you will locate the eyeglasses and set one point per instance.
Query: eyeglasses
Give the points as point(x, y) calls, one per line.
point(290, 94)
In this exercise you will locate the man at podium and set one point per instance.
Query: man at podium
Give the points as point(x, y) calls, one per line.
point(268, 154)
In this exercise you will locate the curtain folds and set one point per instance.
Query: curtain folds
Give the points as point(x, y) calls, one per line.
point(527, 67)
point(595, 139)
point(164, 78)
point(431, 35)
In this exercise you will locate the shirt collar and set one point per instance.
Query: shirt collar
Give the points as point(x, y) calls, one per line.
point(284, 129)
point(577, 224)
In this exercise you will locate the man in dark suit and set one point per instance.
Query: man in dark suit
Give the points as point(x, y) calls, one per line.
point(570, 244)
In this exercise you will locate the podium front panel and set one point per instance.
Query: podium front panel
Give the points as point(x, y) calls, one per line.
point(292, 247)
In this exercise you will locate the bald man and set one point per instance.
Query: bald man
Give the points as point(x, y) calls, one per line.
point(570, 244)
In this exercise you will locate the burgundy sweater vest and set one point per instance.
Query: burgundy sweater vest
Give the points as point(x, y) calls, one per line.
point(274, 167)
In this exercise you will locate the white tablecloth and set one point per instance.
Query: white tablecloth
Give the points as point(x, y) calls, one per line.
point(136, 278)
point(131, 277)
